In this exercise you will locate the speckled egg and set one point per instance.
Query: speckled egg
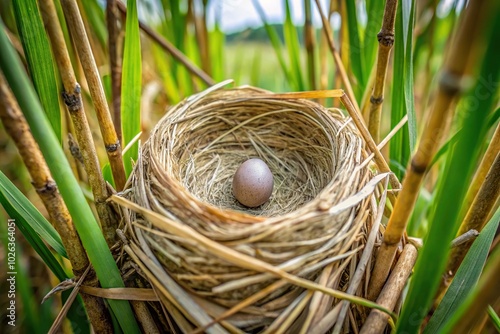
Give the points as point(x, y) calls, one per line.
point(253, 183)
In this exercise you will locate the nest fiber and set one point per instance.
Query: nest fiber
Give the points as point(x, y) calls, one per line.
point(218, 258)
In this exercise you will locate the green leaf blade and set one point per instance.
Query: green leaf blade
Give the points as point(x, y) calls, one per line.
point(355, 49)
point(131, 85)
point(466, 277)
point(36, 47)
point(19, 207)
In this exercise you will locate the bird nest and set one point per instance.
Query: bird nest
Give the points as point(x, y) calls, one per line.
point(290, 264)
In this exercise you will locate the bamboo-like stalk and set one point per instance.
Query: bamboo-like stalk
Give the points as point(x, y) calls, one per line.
point(73, 101)
point(450, 85)
point(476, 218)
point(377, 321)
point(114, 64)
point(379, 158)
point(336, 57)
point(111, 142)
point(386, 41)
point(16, 126)
point(484, 166)
point(309, 42)
point(172, 50)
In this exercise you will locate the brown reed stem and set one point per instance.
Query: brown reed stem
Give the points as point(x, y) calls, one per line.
point(377, 321)
point(476, 218)
point(385, 42)
point(484, 167)
point(172, 50)
point(114, 64)
point(16, 126)
point(310, 42)
point(379, 158)
point(365, 102)
point(336, 57)
point(73, 101)
point(450, 85)
point(111, 142)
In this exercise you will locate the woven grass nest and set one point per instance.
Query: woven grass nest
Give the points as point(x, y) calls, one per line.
point(220, 267)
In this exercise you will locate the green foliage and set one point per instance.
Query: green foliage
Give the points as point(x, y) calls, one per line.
point(355, 50)
point(292, 45)
point(37, 231)
point(403, 142)
point(495, 319)
point(40, 63)
point(275, 41)
point(450, 193)
point(465, 278)
point(131, 85)
point(375, 14)
point(28, 217)
point(85, 223)
point(94, 13)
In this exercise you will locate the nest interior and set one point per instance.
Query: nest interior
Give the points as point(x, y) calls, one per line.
point(314, 226)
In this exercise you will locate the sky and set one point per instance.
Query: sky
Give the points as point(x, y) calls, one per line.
point(238, 14)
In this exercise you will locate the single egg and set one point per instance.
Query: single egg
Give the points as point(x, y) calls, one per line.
point(253, 183)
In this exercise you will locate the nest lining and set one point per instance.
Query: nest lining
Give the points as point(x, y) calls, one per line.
point(185, 173)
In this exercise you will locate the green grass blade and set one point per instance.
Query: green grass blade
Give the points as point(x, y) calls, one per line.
point(94, 13)
point(375, 14)
point(31, 322)
point(408, 9)
point(255, 73)
point(18, 206)
point(276, 43)
point(418, 225)
point(131, 85)
point(35, 241)
point(451, 191)
point(355, 48)
point(164, 70)
point(472, 299)
point(76, 313)
point(85, 223)
point(492, 120)
point(403, 142)
point(216, 52)
point(292, 44)
point(41, 66)
point(495, 319)
point(466, 277)
point(108, 174)
point(178, 23)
